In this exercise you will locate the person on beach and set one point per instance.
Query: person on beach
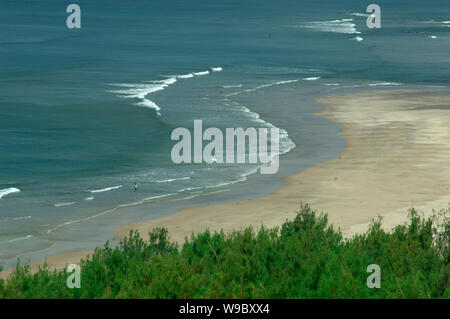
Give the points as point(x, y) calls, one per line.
point(135, 187)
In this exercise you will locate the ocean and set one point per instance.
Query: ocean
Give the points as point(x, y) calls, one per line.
point(86, 113)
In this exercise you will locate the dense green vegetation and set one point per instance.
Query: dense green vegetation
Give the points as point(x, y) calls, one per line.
point(304, 258)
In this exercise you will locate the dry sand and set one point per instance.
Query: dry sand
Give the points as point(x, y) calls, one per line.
point(397, 157)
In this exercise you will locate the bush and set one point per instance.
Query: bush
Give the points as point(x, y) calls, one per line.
point(304, 258)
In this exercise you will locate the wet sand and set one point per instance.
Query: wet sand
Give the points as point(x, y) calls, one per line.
point(397, 157)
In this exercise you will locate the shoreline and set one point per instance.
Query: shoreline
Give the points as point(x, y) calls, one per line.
point(386, 140)
point(390, 136)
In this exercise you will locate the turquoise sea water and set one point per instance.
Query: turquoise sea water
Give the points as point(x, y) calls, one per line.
point(85, 114)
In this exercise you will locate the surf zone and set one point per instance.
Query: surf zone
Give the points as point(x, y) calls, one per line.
point(240, 145)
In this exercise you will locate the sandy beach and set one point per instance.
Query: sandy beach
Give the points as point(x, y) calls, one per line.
point(396, 158)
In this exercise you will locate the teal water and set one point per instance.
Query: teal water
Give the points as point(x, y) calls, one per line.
point(87, 113)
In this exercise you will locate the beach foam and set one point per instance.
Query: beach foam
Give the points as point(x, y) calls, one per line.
point(185, 76)
point(20, 218)
point(157, 197)
point(63, 204)
point(14, 219)
point(108, 211)
point(8, 191)
point(442, 23)
point(385, 84)
point(105, 189)
point(141, 90)
point(173, 180)
point(149, 104)
point(201, 73)
point(359, 39)
point(18, 239)
point(261, 87)
point(357, 14)
point(286, 144)
point(232, 86)
point(344, 26)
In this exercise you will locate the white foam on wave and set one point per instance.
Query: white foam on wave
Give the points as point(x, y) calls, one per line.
point(106, 212)
point(63, 204)
point(438, 23)
point(358, 39)
point(232, 86)
point(140, 91)
point(89, 198)
point(385, 84)
point(432, 21)
point(7, 191)
point(185, 76)
point(262, 86)
point(345, 26)
point(14, 219)
point(242, 179)
point(105, 189)
point(219, 191)
point(184, 198)
point(203, 189)
point(21, 238)
point(22, 217)
point(149, 104)
point(286, 144)
point(158, 196)
point(189, 189)
point(173, 180)
point(286, 82)
point(169, 81)
point(312, 78)
point(201, 73)
point(357, 14)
